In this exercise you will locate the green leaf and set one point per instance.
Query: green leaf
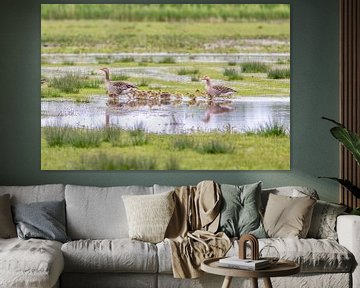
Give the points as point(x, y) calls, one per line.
point(347, 184)
point(348, 138)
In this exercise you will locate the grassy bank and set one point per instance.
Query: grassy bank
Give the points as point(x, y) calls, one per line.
point(135, 150)
point(167, 12)
point(107, 36)
point(248, 81)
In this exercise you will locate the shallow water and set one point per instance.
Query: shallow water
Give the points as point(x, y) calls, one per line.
point(171, 116)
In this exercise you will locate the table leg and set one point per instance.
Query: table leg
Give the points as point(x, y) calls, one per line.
point(254, 282)
point(267, 283)
point(227, 282)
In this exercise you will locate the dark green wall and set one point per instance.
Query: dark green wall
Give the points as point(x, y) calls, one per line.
point(314, 93)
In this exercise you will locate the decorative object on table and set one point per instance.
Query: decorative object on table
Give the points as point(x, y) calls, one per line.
point(351, 142)
point(269, 253)
point(254, 246)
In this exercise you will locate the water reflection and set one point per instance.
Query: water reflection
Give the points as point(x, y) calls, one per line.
point(169, 114)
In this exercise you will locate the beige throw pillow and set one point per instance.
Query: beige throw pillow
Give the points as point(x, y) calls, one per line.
point(149, 215)
point(288, 217)
point(7, 226)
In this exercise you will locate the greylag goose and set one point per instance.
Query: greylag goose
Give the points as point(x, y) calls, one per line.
point(216, 90)
point(116, 88)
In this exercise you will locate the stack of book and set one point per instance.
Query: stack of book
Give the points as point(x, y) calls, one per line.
point(248, 264)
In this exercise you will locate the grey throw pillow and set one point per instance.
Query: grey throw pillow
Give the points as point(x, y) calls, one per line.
point(44, 220)
point(323, 222)
point(7, 227)
point(240, 213)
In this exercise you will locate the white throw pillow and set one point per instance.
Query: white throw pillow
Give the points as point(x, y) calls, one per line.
point(149, 215)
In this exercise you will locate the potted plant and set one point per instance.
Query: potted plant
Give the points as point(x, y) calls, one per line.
point(351, 141)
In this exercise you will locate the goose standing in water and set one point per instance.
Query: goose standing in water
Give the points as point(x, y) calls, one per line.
point(216, 90)
point(116, 88)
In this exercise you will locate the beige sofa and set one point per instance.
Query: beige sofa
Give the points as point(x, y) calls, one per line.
point(101, 255)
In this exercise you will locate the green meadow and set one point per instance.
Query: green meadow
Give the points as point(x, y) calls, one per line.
point(115, 149)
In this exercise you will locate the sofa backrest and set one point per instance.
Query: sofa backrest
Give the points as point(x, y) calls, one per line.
point(98, 212)
point(36, 193)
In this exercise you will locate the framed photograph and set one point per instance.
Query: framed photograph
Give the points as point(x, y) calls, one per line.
point(165, 87)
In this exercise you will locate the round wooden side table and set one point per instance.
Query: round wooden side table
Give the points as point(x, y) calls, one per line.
point(281, 268)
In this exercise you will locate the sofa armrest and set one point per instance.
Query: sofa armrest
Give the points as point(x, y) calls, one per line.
point(348, 230)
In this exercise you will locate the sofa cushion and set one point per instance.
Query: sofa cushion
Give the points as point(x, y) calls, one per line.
point(287, 216)
point(323, 222)
point(7, 226)
point(42, 220)
point(313, 255)
point(30, 263)
point(149, 215)
point(98, 213)
point(117, 255)
point(36, 193)
point(240, 210)
point(291, 191)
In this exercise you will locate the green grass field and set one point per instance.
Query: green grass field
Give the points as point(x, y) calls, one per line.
point(201, 151)
point(167, 12)
point(110, 36)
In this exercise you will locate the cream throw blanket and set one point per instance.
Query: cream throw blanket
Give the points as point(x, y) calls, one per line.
point(191, 231)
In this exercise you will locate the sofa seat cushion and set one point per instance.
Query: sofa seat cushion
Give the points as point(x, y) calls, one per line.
point(115, 255)
point(30, 263)
point(313, 255)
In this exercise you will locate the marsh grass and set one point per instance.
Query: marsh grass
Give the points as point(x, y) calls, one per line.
point(103, 161)
point(103, 60)
point(232, 74)
point(214, 146)
point(183, 142)
point(144, 82)
point(168, 12)
point(68, 63)
point(72, 83)
point(195, 78)
point(254, 67)
point(172, 163)
point(81, 138)
point(125, 60)
point(86, 138)
point(279, 74)
point(111, 134)
point(167, 60)
point(119, 77)
point(56, 136)
point(231, 63)
point(187, 71)
point(48, 92)
point(270, 129)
